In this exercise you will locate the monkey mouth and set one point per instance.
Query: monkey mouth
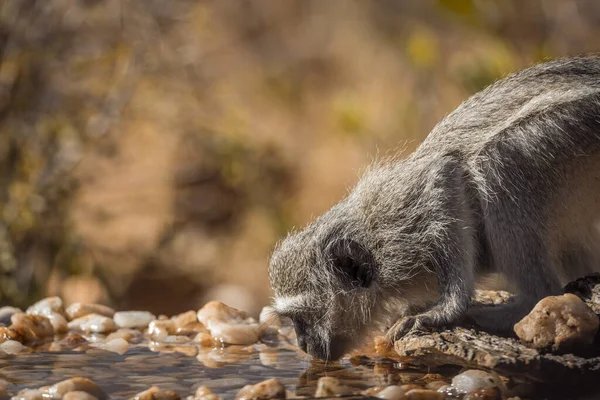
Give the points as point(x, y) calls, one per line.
point(332, 351)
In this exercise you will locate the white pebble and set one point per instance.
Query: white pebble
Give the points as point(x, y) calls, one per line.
point(79, 395)
point(235, 333)
point(474, 379)
point(7, 312)
point(133, 319)
point(93, 323)
point(58, 322)
point(118, 345)
point(12, 347)
point(391, 393)
point(78, 310)
point(46, 306)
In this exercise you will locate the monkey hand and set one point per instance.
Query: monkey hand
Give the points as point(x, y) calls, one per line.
point(409, 324)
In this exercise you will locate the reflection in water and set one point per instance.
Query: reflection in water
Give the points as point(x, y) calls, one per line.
point(184, 368)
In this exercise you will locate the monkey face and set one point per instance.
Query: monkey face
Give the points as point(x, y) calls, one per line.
point(327, 289)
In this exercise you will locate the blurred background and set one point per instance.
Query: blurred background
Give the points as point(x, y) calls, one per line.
point(152, 152)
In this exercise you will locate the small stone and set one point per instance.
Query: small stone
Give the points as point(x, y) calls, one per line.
point(241, 334)
point(159, 330)
point(490, 393)
point(73, 339)
point(190, 329)
point(9, 334)
point(205, 340)
point(423, 394)
point(410, 386)
point(31, 327)
point(391, 393)
point(78, 310)
point(561, 323)
point(7, 312)
point(328, 387)
point(186, 318)
point(46, 306)
point(30, 394)
point(93, 323)
point(474, 379)
point(12, 347)
point(155, 393)
point(79, 395)
point(131, 335)
point(58, 390)
point(217, 311)
point(435, 385)
point(372, 391)
point(204, 393)
point(117, 345)
point(269, 389)
point(58, 322)
point(133, 319)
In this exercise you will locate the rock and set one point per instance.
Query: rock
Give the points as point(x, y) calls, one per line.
point(78, 310)
point(73, 339)
point(423, 394)
point(508, 357)
point(133, 319)
point(561, 323)
point(46, 306)
point(9, 334)
point(391, 393)
point(588, 290)
point(492, 297)
point(474, 379)
point(31, 327)
point(372, 391)
point(118, 345)
point(78, 395)
point(131, 335)
point(30, 394)
point(269, 389)
point(205, 340)
point(435, 385)
point(58, 322)
point(12, 347)
point(328, 387)
point(93, 323)
point(7, 312)
point(490, 393)
point(159, 330)
point(155, 393)
point(227, 324)
point(76, 384)
point(204, 393)
point(184, 319)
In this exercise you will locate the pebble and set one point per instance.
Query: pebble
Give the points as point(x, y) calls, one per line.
point(133, 319)
point(391, 393)
point(131, 335)
point(227, 324)
point(118, 345)
point(269, 389)
point(77, 384)
point(184, 319)
point(31, 327)
point(73, 339)
point(78, 310)
point(205, 340)
point(204, 393)
point(93, 323)
point(155, 393)
point(79, 395)
point(423, 394)
point(12, 347)
point(435, 385)
point(58, 322)
point(7, 312)
point(490, 393)
point(9, 334)
point(46, 306)
point(160, 329)
point(29, 394)
point(561, 323)
point(474, 379)
point(328, 387)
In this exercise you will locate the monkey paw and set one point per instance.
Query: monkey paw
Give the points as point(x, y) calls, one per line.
point(406, 325)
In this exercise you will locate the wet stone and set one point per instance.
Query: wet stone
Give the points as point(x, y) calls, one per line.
point(474, 379)
point(12, 347)
point(29, 394)
point(93, 323)
point(58, 390)
point(130, 335)
point(155, 393)
point(133, 319)
point(7, 312)
point(269, 389)
point(490, 393)
point(78, 395)
point(227, 324)
point(78, 310)
point(204, 393)
point(118, 345)
point(31, 327)
point(560, 323)
point(46, 306)
point(391, 393)
point(58, 322)
point(423, 394)
point(328, 386)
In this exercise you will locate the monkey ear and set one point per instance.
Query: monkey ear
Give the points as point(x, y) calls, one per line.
point(352, 261)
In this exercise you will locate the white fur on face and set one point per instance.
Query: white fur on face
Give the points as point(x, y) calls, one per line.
point(286, 304)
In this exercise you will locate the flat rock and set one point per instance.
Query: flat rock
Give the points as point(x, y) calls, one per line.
point(476, 349)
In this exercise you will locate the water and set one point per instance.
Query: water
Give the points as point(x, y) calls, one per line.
point(224, 370)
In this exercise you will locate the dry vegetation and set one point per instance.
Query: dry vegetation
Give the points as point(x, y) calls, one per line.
point(152, 152)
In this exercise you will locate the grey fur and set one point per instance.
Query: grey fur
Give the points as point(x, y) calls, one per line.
point(509, 182)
